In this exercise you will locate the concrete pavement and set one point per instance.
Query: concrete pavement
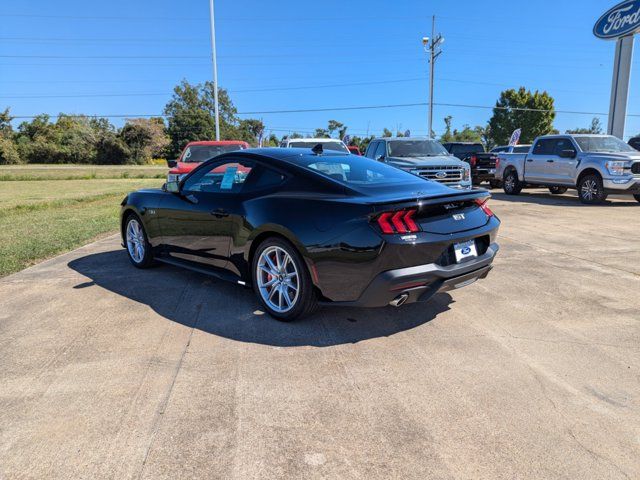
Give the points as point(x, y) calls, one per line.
point(111, 372)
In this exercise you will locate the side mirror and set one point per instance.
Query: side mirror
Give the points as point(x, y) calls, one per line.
point(172, 163)
point(568, 153)
point(379, 158)
point(172, 187)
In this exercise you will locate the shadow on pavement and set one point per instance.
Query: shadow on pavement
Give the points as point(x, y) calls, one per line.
point(231, 311)
point(541, 198)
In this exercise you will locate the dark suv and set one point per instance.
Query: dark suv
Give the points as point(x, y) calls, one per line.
point(483, 164)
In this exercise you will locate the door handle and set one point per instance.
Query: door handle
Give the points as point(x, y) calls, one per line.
point(529, 159)
point(550, 161)
point(220, 213)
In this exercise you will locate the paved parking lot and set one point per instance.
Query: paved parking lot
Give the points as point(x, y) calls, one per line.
point(110, 372)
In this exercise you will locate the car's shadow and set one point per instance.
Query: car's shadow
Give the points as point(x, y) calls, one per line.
point(540, 197)
point(233, 312)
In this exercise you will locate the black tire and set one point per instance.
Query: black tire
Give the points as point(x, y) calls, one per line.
point(306, 301)
point(637, 197)
point(590, 189)
point(511, 184)
point(557, 190)
point(145, 260)
point(494, 184)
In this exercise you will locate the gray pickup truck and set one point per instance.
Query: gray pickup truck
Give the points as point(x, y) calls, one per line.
point(596, 165)
point(423, 157)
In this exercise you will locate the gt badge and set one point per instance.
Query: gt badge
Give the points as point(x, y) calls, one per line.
point(458, 216)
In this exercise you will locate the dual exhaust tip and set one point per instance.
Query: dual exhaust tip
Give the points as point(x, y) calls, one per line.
point(399, 300)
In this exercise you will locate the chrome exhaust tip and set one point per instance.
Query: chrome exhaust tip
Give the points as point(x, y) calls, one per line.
point(399, 300)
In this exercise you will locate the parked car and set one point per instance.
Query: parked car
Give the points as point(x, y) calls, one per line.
point(483, 165)
point(197, 152)
point(635, 142)
point(511, 149)
point(596, 165)
point(367, 234)
point(354, 149)
point(423, 157)
point(327, 143)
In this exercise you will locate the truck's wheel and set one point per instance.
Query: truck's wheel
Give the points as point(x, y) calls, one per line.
point(637, 197)
point(511, 184)
point(556, 190)
point(591, 190)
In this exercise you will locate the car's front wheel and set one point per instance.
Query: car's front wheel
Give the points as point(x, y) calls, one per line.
point(556, 190)
point(591, 190)
point(138, 246)
point(511, 184)
point(282, 282)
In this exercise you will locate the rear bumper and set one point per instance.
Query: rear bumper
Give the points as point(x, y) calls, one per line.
point(424, 281)
point(484, 174)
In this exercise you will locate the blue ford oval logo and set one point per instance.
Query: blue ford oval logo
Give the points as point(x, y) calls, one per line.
point(466, 251)
point(621, 20)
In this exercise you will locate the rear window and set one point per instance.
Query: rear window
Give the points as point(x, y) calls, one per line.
point(522, 149)
point(202, 153)
point(361, 171)
point(334, 146)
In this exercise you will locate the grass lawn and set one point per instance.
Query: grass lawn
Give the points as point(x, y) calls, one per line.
point(86, 172)
point(40, 219)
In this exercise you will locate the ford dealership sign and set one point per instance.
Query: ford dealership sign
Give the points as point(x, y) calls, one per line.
point(621, 20)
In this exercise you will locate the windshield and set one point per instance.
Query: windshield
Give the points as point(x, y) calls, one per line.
point(327, 145)
point(355, 170)
point(415, 148)
point(201, 153)
point(603, 144)
point(466, 149)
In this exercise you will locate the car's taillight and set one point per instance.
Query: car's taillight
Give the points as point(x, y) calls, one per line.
point(400, 221)
point(482, 203)
point(473, 160)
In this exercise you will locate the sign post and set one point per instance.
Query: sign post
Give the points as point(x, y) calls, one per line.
point(620, 23)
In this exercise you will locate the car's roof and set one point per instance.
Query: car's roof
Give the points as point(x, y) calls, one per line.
point(314, 140)
point(403, 139)
point(565, 135)
point(463, 143)
point(213, 143)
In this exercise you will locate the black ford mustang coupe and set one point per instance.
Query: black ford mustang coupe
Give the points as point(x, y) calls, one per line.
point(306, 227)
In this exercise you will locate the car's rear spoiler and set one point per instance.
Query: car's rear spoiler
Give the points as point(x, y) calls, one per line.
point(432, 200)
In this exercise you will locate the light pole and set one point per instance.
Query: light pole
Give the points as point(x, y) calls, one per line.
point(432, 47)
point(215, 69)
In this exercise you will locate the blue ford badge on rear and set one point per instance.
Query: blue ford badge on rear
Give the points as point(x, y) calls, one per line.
point(621, 20)
point(466, 251)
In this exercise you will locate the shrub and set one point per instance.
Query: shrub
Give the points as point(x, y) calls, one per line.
point(8, 152)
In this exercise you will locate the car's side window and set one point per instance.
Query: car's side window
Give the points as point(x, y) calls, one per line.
point(544, 147)
point(262, 178)
point(562, 144)
point(371, 149)
point(381, 151)
point(226, 176)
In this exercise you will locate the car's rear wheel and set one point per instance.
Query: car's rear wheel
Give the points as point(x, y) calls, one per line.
point(138, 247)
point(556, 190)
point(511, 184)
point(282, 282)
point(591, 190)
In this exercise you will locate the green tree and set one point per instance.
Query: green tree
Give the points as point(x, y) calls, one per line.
point(321, 133)
point(387, 133)
point(5, 122)
point(145, 139)
point(595, 128)
point(532, 112)
point(447, 136)
point(8, 151)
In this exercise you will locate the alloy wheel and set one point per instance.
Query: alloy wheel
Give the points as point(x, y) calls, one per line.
point(589, 190)
point(509, 183)
point(135, 240)
point(278, 279)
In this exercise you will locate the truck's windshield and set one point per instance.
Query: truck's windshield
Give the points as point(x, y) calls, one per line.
point(415, 148)
point(603, 144)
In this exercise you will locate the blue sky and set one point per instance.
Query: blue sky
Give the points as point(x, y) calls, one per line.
point(60, 56)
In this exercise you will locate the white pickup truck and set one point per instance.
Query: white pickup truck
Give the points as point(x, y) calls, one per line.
point(596, 165)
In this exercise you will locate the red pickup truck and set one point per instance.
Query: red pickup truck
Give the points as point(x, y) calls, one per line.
point(197, 152)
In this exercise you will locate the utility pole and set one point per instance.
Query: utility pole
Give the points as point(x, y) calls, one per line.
point(215, 69)
point(432, 47)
